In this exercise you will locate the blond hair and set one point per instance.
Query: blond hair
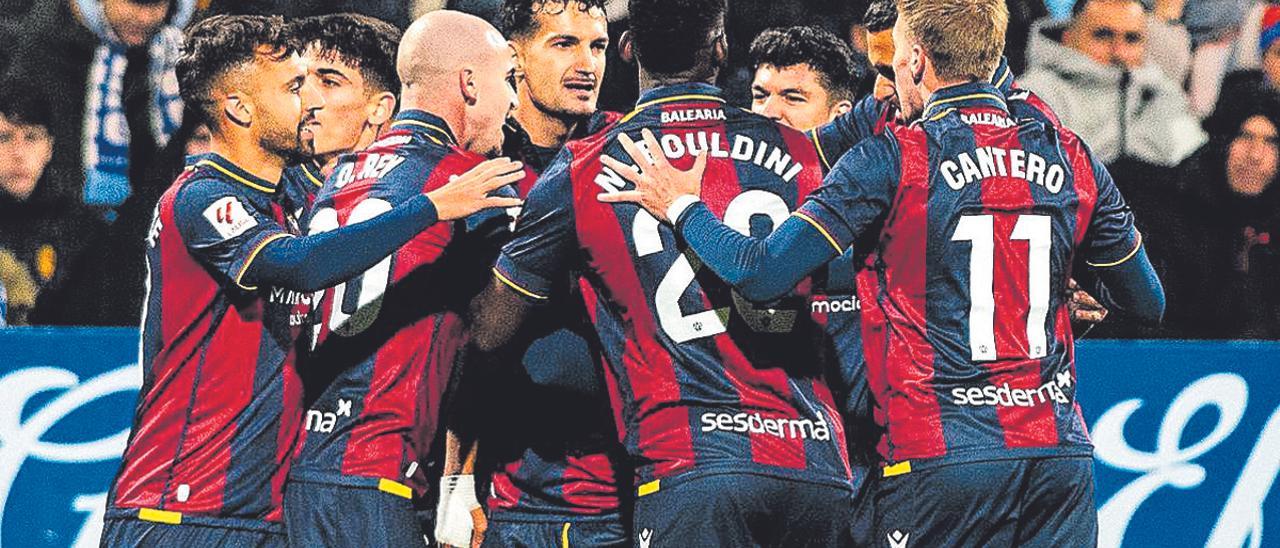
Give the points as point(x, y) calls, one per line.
point(964, 38)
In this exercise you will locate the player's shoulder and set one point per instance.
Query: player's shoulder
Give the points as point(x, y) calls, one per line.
point(1024, 103)
point(207, 179)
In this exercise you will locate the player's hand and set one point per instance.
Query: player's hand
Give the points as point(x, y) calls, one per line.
point(658, 183)
point(1084, 308)
point(468, 193)
point(479, 524)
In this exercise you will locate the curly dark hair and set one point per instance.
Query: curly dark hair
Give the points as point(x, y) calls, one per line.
point(828, 55)
point(881, 15)
point(214, 46)
point(517, 18)
point(361, 42)
point(673, 36)
point(24, 103)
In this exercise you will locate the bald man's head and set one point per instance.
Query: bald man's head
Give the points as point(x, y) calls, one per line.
point(457, 66)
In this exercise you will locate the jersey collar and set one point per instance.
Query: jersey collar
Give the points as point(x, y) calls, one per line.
point(429, 125)
point(311, 171)
point(228, 170)
point(677, 93)
point(975, 94)
point(1003, 78)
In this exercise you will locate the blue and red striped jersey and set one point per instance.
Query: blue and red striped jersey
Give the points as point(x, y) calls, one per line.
point(851, 331)
point(219, 410)
point(701, 381)
point(974, 218)
point(388, 339)
point(551, 438)
point(552, 443)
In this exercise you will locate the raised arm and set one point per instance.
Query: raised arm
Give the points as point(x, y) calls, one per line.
point(760, 269)
point(311, 263)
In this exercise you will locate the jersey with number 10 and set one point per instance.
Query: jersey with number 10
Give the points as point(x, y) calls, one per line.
point(975, 218)
point(702, 381)
point(388, 338)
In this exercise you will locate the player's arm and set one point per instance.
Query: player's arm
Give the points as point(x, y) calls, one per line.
point(838, 136)
point(1114, 250)
point(539, 253)
point(318, 261)
point(852, 200)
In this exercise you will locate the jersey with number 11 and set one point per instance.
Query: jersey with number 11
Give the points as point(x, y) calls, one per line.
point(701, 380)
point(975, 218)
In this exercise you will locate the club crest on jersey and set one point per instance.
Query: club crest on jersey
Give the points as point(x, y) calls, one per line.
point(229, 218)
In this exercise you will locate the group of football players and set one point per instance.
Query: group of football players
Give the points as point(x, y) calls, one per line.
point(423, 266)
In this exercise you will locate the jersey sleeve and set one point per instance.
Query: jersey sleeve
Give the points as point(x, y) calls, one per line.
point(544, 240)
point(419, 174)
point(842, 134)
point(222, 229)
point(855, 196)
point(1111, 238)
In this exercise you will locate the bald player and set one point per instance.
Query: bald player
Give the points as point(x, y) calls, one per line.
point(388, 338)
point(228, 289)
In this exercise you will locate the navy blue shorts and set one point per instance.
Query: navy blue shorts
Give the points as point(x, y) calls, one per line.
point(321, 514)
point(136, 533)
point(743, 510)
point(575, 531)
point(1045, 501)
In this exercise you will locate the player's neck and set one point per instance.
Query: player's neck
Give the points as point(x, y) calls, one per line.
point(704, 75)
point(247, 155)
point(367, 136)
point(449, 109)
point(545, 129)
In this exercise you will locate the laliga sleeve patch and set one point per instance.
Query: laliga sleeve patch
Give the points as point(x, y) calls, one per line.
point(229, 218)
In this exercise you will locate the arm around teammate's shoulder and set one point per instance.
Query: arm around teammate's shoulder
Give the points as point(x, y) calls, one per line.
point(314, 262)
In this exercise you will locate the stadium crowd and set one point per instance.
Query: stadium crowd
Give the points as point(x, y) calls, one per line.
point(1179, 97)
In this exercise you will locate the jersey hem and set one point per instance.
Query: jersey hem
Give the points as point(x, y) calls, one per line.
point(343, 480)
point(243, 524)
point(987, 455)
point(702, 472)
point(517, 516)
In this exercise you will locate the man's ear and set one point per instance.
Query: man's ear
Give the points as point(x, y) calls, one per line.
point(519, 57)
point(382, 108)
point(467, 85)
point(720, 50)
point(237, 109)
point(841, 107)
point(918, 63)
point(626, 45)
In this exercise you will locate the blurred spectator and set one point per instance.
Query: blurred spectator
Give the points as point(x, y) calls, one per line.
point(1233, 207)
point(1253, 85)
point(4, 305)
point(1207, 20)
point(1094, 73)
point(109, 66)
point(396, 12)
point(42, 235)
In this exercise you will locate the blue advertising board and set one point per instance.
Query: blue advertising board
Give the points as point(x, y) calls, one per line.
point(1187, 436)
point(1187, 441)
point(66, 403)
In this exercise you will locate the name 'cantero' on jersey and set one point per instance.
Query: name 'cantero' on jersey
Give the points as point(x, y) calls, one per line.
point(985, 162)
